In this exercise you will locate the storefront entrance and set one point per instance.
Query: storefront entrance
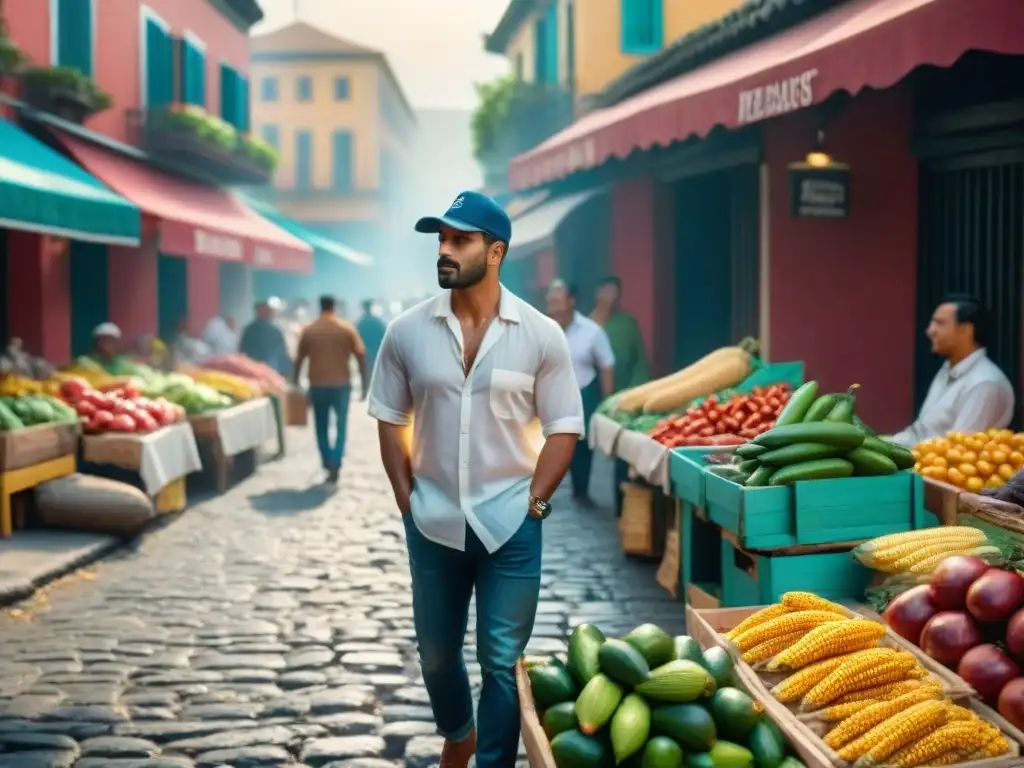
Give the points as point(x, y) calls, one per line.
point(172, 292)
point(90, 289)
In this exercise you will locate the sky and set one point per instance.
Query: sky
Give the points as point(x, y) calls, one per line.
point(434, 46)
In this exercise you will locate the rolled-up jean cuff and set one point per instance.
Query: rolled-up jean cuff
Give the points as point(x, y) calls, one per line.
point(459, 734)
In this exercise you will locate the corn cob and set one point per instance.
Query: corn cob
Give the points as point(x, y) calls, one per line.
point(756, 619)
point(875, 547)
point(864, 672)
point(862, 722)
point(931, 563)
point(996, 746)
point(764, 651)
point(894, 733)
point(887, 691)
point(956, 712)
point(831, 639)
point(808, 601)
point(961, 735)
point(798, 684)
point(885, 559)
point(784, 625)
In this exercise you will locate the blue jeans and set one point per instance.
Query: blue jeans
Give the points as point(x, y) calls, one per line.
point(325, 400)
point(507, 586)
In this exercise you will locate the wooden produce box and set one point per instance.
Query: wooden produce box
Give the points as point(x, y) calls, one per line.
point(707, 626)
point(642, 520)
point(538, 748)
point(36, 445)
point(942, 500)
point(669, 571)
point(814, 512)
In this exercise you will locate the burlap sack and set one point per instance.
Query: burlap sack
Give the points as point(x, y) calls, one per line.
point(93, 504)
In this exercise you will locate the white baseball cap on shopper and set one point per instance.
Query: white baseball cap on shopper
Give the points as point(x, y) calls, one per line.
point(106, 329)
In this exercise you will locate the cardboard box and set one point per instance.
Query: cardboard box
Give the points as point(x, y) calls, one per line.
point(296, 408)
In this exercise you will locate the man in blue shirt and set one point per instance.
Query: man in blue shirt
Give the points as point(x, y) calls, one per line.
point(263, 341)
point(371, 328)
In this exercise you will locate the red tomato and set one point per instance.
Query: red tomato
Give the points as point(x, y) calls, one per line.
point(85, 408)
point(98, 399)
point(144, 422)
point(122, 423)
point(74, 389)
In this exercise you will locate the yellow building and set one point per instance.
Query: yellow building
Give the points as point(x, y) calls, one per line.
point(342, 125)
point(583, 45)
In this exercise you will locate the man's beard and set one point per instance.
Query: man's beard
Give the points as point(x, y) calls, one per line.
point(459, 277)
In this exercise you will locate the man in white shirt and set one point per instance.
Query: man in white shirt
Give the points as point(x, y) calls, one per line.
point(473, 368)
point(969, 393)
point(594, 365)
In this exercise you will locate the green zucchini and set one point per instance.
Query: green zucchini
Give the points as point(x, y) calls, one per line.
point(747, 467)
point(798, 405)
point(832, 433)
point(821, 408)
point(798, 452)
point(749, 451)
point(759, 478)
point(868, 462)
point(901, 457)
point(844, 408)
point(859, 424)
point(820, 469)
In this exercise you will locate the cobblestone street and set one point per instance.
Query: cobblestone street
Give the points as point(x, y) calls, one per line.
point(270, 627)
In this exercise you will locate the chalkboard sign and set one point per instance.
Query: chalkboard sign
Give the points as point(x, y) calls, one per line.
point(819, 193)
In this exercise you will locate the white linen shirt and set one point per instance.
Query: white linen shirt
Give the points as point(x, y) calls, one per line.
point(590, 348)
point(472, 459)
point(971, 396)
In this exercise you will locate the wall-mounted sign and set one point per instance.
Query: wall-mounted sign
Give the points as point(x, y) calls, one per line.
point(820, 193)
point(777, 98)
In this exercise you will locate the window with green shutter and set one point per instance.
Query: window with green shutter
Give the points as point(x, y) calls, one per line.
point(303, 159)
point(242, 100)
point(342, 149)
point(234, 98)
point(159, 58)
point(641, 26)
point(74, 34)
point(193, 73)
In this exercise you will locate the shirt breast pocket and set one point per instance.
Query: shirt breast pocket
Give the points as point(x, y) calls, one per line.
point(512, 395)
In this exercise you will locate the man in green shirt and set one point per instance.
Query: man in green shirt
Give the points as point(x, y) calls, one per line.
point(624, 332)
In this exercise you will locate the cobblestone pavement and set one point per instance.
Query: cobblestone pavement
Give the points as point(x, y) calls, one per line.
point(270, 627)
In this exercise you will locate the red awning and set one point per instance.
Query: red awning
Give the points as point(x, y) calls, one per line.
point(195, 220)
point(860, 44)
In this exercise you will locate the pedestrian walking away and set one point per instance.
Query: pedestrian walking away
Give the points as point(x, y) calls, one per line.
point(264, 341)
point(472, 370)
point(329, 343)
point(594, 364)
point(371, 328)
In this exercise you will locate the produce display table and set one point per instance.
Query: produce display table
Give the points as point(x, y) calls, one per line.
point(31, 456)
point(157, 462)
point(603, 433)
point(15, 480)
point(233, 436)
point(647, 457)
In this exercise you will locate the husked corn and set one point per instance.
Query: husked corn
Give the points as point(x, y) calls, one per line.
point(799, 683)
point(808, 601)
point(887, 691)
point(834, 638)
point(929, 564)
point(920, 537)
point(767, 649)
point(865, 672)
point(894, 733)
point(995, 746)
point(798, 621)
point(961, 735)
point(756, 619)
point(885, 560)
point(943, 546)
point(862, 722)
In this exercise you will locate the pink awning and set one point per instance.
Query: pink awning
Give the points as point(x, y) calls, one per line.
point(195, 220)
point(860, 44)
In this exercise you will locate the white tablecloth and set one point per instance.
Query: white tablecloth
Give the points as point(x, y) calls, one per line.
point(246, 426)
point(159, 457)
point(646, 456)
point(603, 433)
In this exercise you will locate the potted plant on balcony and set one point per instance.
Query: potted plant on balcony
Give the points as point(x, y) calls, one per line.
point(11, 57)
point(64, 91)
point(258, 152)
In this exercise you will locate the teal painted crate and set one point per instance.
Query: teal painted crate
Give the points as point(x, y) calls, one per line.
point(699, 552)
point(752, 578)
point(814, 512)
point(686, 472)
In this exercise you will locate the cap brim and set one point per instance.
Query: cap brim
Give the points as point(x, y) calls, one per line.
point(433, 224)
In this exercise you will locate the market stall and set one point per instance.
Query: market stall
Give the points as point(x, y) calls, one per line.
point(230, 439)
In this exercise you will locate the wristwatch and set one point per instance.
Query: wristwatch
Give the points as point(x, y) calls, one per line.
point(539, 508)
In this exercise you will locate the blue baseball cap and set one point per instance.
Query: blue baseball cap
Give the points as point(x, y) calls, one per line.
point(471, 212)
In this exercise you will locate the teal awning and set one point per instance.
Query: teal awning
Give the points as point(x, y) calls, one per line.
point(315, 240)
point(43, 191)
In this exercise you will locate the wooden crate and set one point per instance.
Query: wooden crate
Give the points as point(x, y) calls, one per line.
point(942, 500)
point(538, 749)
point(669, 571)
point(642, 520)
point(36, 445)
point(701, 552)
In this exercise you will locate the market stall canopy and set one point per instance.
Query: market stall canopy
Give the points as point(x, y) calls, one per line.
point(42, 191)
point(535, 230)
point(315, 240)
point(195, 220)
point(860, 44)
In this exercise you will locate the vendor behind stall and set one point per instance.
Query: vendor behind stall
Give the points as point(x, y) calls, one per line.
point(969, 393)
point(106, 349)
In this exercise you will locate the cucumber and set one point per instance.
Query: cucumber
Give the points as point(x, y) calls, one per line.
point(623, 663)
point(820, 469)
point(571, 749)
point(551, 685)
point(747, 467)
point(867, 462)
point(559, 718)
point(901, 457)
point(686, 648)
point(793, 454)
point(840, 435)
point(735, 713)
point(760, 477)
point(630, 727)
point(690, 725)
point(843, 411)
point(597, 703)
point(584, 643)
point(654, 643)
point(767, 744)
point(662, 752)
point(749, 451)
point(798, 405)
point(821, 408)
point(718, 663)
point(791, 762)
point(859, 424)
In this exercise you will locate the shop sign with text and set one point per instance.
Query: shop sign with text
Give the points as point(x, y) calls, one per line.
point(819, 193)
point(777, 98)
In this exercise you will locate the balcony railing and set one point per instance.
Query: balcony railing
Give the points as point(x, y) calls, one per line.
point(200, 145)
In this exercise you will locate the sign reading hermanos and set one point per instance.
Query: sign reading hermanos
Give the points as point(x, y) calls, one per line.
point(777, 98)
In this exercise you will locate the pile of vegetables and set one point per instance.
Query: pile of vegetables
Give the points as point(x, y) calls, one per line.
point(972, 462)
point(119, 408)
point(244, 367)
point(872, 702)
point(970, 617)
point(15, 362)
point(239, 389)
point(33, 410)
point(649, 699)
point(816, 437)
point(724, 422)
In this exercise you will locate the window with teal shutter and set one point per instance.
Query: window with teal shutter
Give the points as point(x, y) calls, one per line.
point(74, 34)
point(242, 84)
point(304, 89)
point(342, 149)
point(268, 89)
point(193, 73)
point(159, 65)
point(228, 94)
point(303, 160)
point(271, 135)
point(641, 26)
